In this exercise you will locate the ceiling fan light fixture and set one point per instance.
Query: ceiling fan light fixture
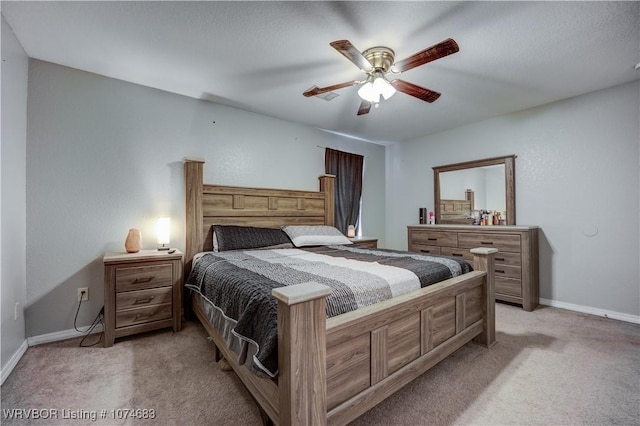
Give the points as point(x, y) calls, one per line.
point(383, 87)
point(375, 87)
point(369, 93)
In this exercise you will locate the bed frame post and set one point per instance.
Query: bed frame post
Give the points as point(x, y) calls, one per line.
point(193, 210)
point(484, 260)
point(327, 185)
point(302, 348)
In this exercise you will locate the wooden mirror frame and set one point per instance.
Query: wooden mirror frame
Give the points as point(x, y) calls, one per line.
point(509, 162)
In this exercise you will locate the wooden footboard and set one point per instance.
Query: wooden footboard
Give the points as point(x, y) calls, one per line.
point(374, 351)
point(332, 371)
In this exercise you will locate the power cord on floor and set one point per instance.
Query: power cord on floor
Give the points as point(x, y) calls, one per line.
point(98, 320)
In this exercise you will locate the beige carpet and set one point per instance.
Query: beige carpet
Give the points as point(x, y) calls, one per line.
point(550, 366)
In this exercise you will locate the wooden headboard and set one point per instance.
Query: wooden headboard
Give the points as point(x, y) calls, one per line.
point(207, 205)
point(458, 211)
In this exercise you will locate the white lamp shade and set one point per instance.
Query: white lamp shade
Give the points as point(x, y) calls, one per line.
point(368, 93)
point(384, 88)
point(371, 92)
point(163, 230)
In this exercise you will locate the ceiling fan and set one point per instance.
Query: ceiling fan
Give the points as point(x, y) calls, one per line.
point(378, 62)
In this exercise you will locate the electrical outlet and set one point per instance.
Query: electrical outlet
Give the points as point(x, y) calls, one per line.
point(83, 297)
point(16, 311)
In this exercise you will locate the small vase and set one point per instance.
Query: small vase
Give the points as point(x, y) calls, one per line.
point(133, 243)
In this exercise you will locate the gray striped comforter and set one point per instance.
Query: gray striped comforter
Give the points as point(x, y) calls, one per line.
point(236, 286)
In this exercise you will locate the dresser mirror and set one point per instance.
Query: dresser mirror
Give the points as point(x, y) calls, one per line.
point(487, 184)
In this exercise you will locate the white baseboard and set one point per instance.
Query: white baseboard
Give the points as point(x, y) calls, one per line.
point(59, 335)
point(593, 311)
point(38, 340)
point(7, 369)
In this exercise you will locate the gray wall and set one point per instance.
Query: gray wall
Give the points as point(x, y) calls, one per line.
point(12, 183)
point(105, 156)
point(577, 173)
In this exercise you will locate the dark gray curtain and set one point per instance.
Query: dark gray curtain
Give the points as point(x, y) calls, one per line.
point(347, 168)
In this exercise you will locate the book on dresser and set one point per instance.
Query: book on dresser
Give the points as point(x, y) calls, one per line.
point(516, 263)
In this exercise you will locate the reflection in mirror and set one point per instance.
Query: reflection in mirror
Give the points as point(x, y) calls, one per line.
point(462, 188)
point(487, 184)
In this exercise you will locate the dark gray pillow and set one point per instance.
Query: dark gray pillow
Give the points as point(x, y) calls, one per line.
point(231, 237)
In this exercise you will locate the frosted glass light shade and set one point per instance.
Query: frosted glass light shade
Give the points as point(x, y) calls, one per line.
point(163, 230)
point(384, 88)
point(369, 93)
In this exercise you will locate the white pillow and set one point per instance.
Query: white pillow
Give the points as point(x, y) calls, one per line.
point(315, 235)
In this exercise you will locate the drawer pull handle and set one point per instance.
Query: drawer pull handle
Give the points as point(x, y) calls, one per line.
point(425, 251)
point(143, 280)
point(432, 239)
point(488, 243)
point(142, 316)
point(499, 271)
point(143, 300)
point(501, 259)
point(457, 254)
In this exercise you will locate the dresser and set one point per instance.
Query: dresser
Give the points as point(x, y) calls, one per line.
point(516, 263)
point(142, 292)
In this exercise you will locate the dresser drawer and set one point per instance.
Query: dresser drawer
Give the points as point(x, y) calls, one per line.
point(504, 243)
point(510, 259)
point(508, 286)
point(434, 238)
point(143, 315)
point(421, 248)
point(508, 271)
point(143, 277)
point(457, 252)
point(143, 298)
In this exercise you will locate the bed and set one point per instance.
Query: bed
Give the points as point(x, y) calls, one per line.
point(332, 370)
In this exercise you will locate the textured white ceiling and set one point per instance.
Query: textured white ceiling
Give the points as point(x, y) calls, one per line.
point(261, 56)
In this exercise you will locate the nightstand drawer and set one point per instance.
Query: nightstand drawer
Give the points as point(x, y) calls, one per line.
point(143, 315)
point(367, 244)
point(143, 298)
point(143, 277)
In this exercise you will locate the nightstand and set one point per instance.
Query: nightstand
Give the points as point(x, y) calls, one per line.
point(142, 292)
point(365, 242)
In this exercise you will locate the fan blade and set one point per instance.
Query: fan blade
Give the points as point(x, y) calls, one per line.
point(429, 54)
point(365, 107)
point(349, 51)
point(319, 90)
point(415, 91)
